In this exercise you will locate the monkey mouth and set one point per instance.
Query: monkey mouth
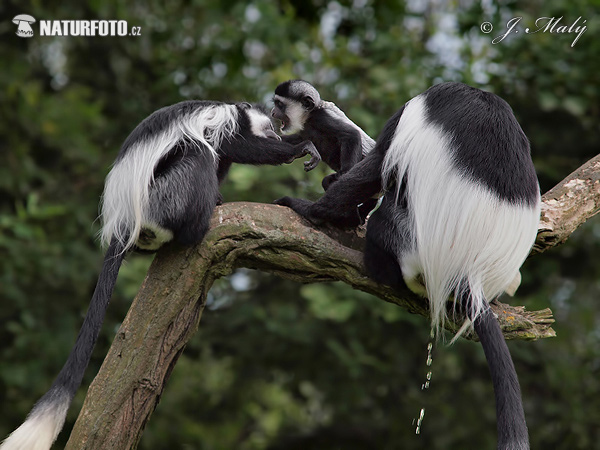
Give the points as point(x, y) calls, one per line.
point(285, 127)
point(285, 123)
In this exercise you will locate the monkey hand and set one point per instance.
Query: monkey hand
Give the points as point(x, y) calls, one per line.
point(310, 149)
point(301, 206)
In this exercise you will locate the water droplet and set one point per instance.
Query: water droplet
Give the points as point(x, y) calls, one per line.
point(420, 421)
point(425, 385)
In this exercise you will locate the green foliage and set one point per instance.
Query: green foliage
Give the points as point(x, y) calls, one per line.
point(276, 365)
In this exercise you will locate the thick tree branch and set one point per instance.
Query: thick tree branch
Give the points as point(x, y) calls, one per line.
point(167, 310)
point(568, 205)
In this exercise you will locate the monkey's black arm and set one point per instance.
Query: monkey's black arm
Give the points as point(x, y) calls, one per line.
point(273, 152)
point(293, 139)
point(339, 204)
point(223, 168)
point(350, 152)
point(350, 149)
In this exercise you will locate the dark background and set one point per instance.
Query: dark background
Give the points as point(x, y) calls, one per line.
point(277, 365)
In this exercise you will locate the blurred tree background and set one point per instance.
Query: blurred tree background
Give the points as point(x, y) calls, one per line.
point(277, 365)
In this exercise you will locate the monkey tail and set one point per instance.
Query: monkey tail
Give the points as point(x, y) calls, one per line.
point(512, 429)
point(47, 417)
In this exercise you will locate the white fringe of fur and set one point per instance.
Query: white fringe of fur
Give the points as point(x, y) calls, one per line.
point(40, 429)
point(460, 229)
point(126, 192)
point(366, 142)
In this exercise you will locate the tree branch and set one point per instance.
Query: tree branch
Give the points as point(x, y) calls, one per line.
point(167, 310)
point(568, 205)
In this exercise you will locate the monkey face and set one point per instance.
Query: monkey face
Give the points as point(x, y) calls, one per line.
point(290, 113)
point(260, 124)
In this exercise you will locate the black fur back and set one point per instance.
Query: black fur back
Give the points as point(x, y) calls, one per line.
point(489, 144)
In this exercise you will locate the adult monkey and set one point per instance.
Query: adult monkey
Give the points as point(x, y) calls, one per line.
point(164, 186)
point(458, 219)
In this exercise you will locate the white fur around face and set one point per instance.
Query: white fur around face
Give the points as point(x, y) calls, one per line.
point(296, 114)
point(126, 191)
point(462, 230)
point(259, 123)
point(40, 429)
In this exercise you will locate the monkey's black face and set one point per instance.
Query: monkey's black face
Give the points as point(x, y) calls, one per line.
point(278, 112)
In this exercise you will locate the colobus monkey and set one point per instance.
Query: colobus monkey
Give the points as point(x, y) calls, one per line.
point(303, 115)
point(459, 217)
point(164, 185)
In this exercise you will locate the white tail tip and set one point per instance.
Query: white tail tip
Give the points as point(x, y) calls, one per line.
point(40, 429)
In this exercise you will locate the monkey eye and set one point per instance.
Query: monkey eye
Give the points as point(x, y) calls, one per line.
point(278, 103)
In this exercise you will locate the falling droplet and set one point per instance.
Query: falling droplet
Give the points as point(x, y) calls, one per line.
point(425, 385)
point(429, 357)
point(420, 421)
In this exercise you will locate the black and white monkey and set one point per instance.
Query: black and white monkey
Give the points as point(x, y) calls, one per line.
point(459, 217)
point(304, 115)
point(164, 186)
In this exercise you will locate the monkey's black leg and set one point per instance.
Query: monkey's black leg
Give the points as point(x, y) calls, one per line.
point(382, 266)
point(330, 179)
point(383, 242)
point(339, 204)
point(184, 195)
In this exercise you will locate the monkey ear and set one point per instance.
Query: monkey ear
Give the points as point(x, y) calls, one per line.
point(245, 105)
point(308, 103)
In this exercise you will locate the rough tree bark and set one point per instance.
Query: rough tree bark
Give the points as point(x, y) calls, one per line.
point(167, 310)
